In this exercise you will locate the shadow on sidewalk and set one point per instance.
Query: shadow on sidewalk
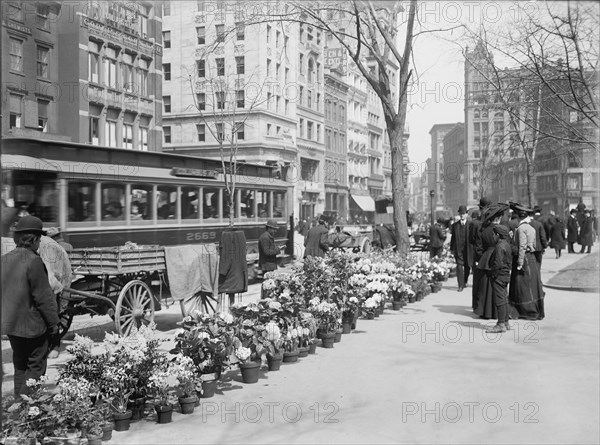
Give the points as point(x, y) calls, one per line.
point(456, 309)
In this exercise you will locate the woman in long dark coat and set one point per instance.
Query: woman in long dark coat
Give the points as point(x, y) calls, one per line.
point(558, 240)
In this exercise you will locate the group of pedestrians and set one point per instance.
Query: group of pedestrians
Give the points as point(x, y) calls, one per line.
point(504, 253)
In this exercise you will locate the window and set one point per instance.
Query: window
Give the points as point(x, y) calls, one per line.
point(317, 106)
point(43, 115)
point(93, 62)
point(311, 68)
point(240, 96)
point(318, 138)
point(268, 33)
point(201, 68)
point(82, 201)
point(167, 134)
point(15, 111)
point(166, 9)
point(277, 71)
point(240, 31)
point(220, 99)
point(41, 11)
point(167, 71)
point(15, 12)
point(166, 202)
point(269, 95)
point(110, 67)
point(277, 36)
point(127, 72)
point(220, 32)
point(128, 136)
point(309, 130)
point(167, 103)
point(309, 98)
point(110, 131)
point(94, 136)
point(143, 77)
point(167, 39)
point(143, 21)
point(200, 4)
point(201, 132)
point(220, 132)
point(143, 139)
point(220, 66)
point(301, 63)
point(301, 95)
point(268, 67)
point(201, 35)
point(201, 101)
point(42, 61)
point(278, 130)
point(16, 54)
point(287, 106)
point(301, 128)
point(287, 75)
point(239, 128)
point(301, 34)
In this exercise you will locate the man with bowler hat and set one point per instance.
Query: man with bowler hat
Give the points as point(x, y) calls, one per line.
point(267, 250)
point(572, 230)
point(461, 248)
point(29, 309)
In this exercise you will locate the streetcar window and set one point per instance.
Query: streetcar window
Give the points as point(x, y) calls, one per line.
point(166, 202)
point(247, 203)
point(210, 200)
point(141, 202)
point(278, 204)
point(82, 201)
point(263, 204)
point(226, 203)
point(113, 202)
point(189, 202)
point(35, 193)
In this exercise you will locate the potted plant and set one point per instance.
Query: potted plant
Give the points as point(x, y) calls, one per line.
point(309, 328)
point(94, 424)
point(189, 382)
point(163, 395)
point(248, 340)
point(273, 344)
point(328, 316)
point(290, 345)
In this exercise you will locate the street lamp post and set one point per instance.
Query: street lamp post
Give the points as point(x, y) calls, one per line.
point(432, 195)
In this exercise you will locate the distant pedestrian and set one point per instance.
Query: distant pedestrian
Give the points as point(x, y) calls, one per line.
point(557, 237)
point(475, 240)
point(267, 250)
point(500, 267)
point(572, 230)
point(437, 236)
point(586, 234)
point(56, 235)
point(541, 242)
point(29, 309)
point(317, 240)
point(461, 248)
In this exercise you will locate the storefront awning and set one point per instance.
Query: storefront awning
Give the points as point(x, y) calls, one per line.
point(366, 203)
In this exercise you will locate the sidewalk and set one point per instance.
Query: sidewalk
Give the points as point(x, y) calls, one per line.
point(580, 276)
point(426, 374)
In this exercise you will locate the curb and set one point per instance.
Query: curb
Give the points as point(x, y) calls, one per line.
point(574, 289)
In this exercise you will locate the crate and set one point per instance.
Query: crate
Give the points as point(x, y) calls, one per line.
point(117, 260)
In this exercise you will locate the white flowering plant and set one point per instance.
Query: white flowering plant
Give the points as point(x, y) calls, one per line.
point(185, 372)
point(160, 386)
point(248, 331)
point(327, 314)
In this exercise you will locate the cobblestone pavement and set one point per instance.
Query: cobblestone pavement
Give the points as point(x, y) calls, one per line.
point(425, 374)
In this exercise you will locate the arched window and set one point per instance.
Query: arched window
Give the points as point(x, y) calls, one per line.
point(476, 114)
point(484, 113)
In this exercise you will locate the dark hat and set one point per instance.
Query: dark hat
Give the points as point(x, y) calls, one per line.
point(501, 230)
point(462, 210)
point(484, 202)
point(573, 211)
point(519, 208)
point(493, 211)
point(272, 224)
point(31, 224)
point(537, 209)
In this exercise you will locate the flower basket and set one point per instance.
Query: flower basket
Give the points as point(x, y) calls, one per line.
point(164, 413)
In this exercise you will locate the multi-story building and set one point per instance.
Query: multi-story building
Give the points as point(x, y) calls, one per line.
point(438, 132)
point(455, 160)
point(336, 170)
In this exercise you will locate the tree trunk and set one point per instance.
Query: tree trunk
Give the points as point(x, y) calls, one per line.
point(395, 132)
point(530, 180)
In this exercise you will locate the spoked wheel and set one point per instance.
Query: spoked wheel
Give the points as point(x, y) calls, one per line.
point(135, 307)
point(65, 318)
point(202, 301)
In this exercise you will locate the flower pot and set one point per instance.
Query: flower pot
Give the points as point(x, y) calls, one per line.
point(107, 430)
point(328, 339)
point(94, 439)
point(370, 315)
point(355, 321)
point(187, 404)
point(290, 357)
point(338, 336)
point(122, 420)
point(346, 327)
point(376, 313)
point(303, 351)
point(412, 298)
point(274, 362)
point(164, 413)
point(137, 407)
point(396, 305)
point(312, 348)
point(250, 372)
point(208, 388)
point(436, 287)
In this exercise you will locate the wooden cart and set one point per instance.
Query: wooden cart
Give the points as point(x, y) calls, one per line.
point(118, 281)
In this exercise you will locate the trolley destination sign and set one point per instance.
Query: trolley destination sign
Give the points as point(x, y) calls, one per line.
point(194, 172)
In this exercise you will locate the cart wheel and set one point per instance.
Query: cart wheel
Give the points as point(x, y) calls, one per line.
point(65, 318)
point(202, 301)
point(135, 307)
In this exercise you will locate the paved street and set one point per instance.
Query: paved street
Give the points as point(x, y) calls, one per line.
point(426, 374)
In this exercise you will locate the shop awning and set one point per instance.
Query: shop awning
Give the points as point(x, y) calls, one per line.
point(366, 203)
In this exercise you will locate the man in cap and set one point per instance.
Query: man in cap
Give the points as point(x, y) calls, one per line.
point(267, 251)
point(500, 267)
point(317, 239)
point(461, 248)
point(29, 309)
point(475, 241)
point(56, 235)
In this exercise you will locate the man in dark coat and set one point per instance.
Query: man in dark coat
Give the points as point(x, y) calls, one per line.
point(317, 240)
point(572, 230)
point(475, 241)
point(586, 235)
point(436, 238)
point(385, 237)
point(541, 241)
point(29, 309)
point(500, 268)
point(267, 250)
point(460, 247)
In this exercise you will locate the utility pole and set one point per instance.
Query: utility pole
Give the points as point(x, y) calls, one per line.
point(432, 196)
